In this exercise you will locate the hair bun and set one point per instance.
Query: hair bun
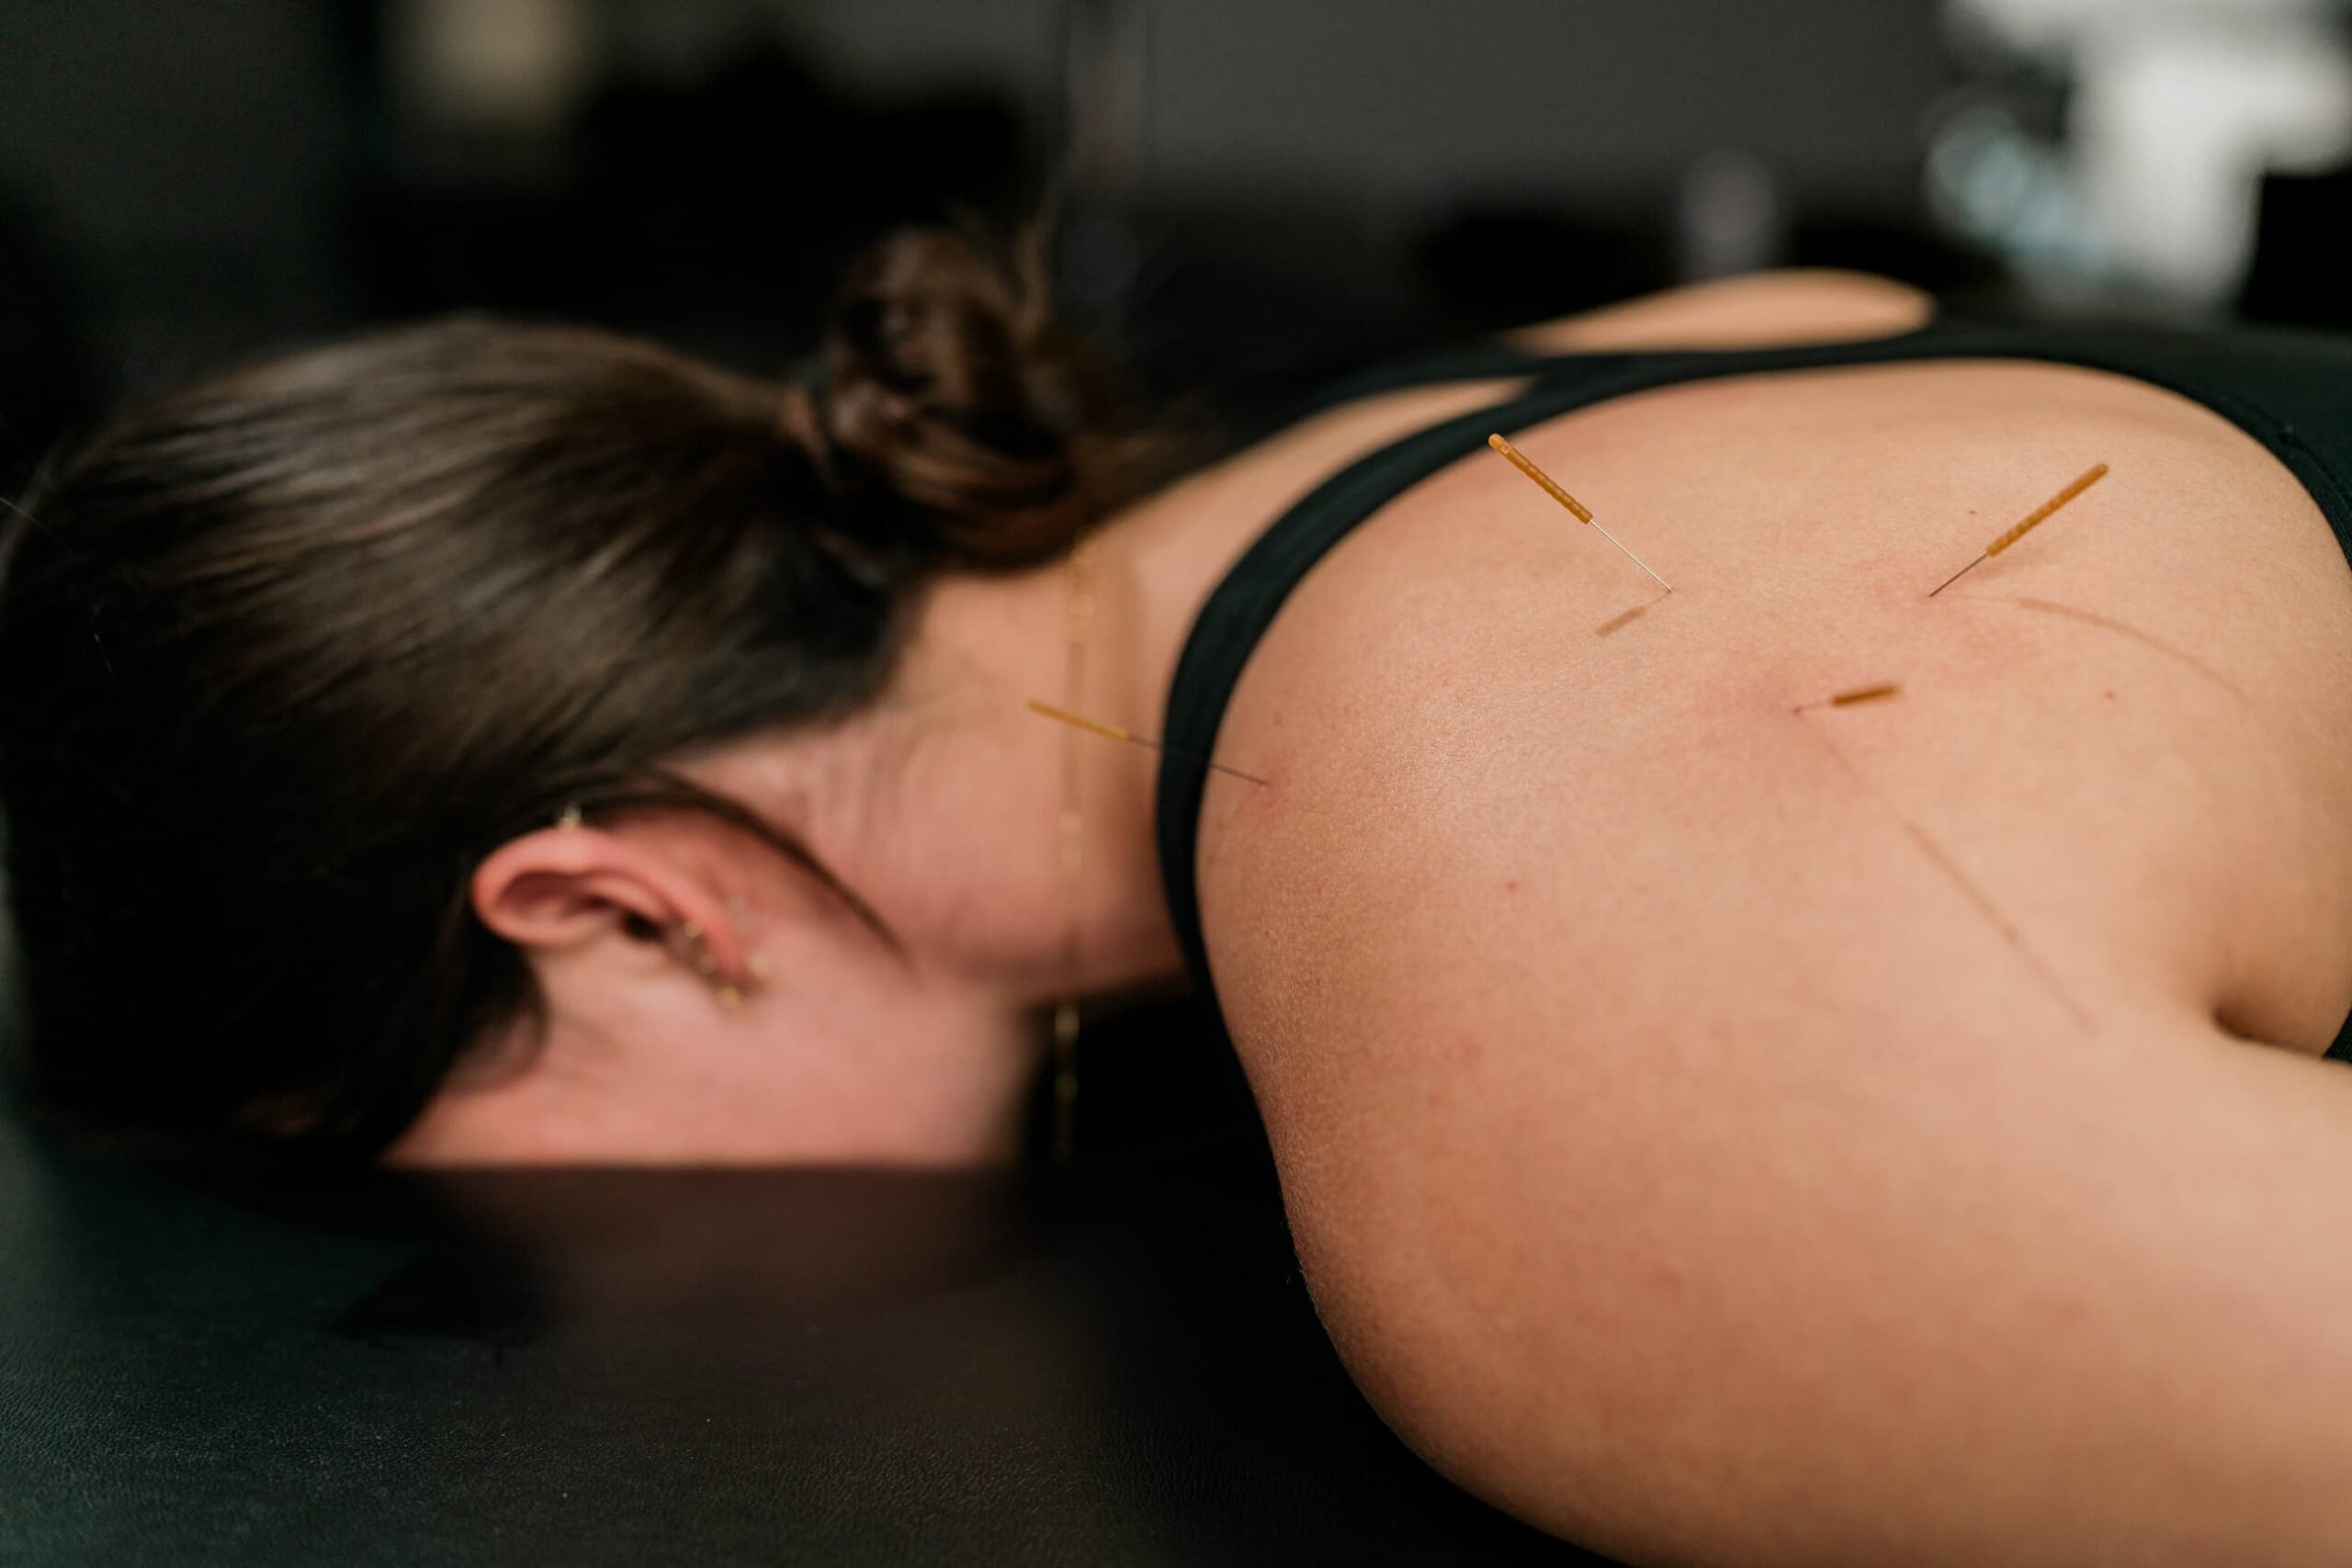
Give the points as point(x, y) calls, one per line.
point(974, 427)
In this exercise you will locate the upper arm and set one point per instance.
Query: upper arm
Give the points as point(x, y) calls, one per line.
point(1759, 311)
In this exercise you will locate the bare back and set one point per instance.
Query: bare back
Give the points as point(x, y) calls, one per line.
point(1611, 1015)
point(2129, 729)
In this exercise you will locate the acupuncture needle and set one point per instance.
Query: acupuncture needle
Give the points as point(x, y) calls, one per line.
point(1113, 732)
point(1878, 693)
point(1576, 508)
point(2048, 509)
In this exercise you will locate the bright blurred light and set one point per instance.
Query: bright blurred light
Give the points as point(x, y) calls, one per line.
point(2179, 108)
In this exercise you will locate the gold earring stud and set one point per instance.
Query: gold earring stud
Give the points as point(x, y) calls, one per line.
point(730, 995)
point(568, 817)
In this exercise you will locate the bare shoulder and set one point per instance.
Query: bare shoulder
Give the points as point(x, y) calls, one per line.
point(1759, 311)
point(1487, 728)
point(1612, 1018)
point(1236, 498)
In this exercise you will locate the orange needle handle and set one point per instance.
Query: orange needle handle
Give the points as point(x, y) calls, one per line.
point(1519, 460)
point(2050, 506)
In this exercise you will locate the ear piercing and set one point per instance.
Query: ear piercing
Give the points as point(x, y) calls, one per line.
point(730, 996)
point(689, 934)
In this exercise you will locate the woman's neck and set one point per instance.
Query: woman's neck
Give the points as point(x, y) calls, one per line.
point(986, 644)
point(1155, 566)
point(1157, 563)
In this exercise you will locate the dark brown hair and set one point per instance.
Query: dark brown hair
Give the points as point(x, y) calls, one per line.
point(284, 654)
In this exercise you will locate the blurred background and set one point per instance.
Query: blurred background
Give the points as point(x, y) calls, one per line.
point(1258, 192)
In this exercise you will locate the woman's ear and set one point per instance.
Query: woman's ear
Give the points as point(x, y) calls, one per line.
point(564, 887)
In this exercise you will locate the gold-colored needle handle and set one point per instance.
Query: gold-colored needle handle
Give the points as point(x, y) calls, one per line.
point(1113, 732)
point(1521, 461)
point(1518, 459)
point(1877, 693)
point(2098, 473)
point(1108, 731)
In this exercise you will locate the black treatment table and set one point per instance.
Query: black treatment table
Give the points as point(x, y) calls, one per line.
point(591, 1367)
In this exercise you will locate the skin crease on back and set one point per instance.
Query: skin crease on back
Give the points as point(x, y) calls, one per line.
point(1722, 1133)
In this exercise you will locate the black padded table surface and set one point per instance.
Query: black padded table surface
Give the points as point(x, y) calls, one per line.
point(606, 1367)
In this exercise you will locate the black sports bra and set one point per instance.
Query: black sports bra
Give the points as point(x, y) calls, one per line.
point(2290, 391)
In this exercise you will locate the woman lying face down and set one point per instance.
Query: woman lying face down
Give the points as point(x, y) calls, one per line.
point(1712, 1131)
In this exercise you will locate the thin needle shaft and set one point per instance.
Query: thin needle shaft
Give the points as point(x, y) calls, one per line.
point(1113, 732)
point(2048, 509)
point(1576, 508)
